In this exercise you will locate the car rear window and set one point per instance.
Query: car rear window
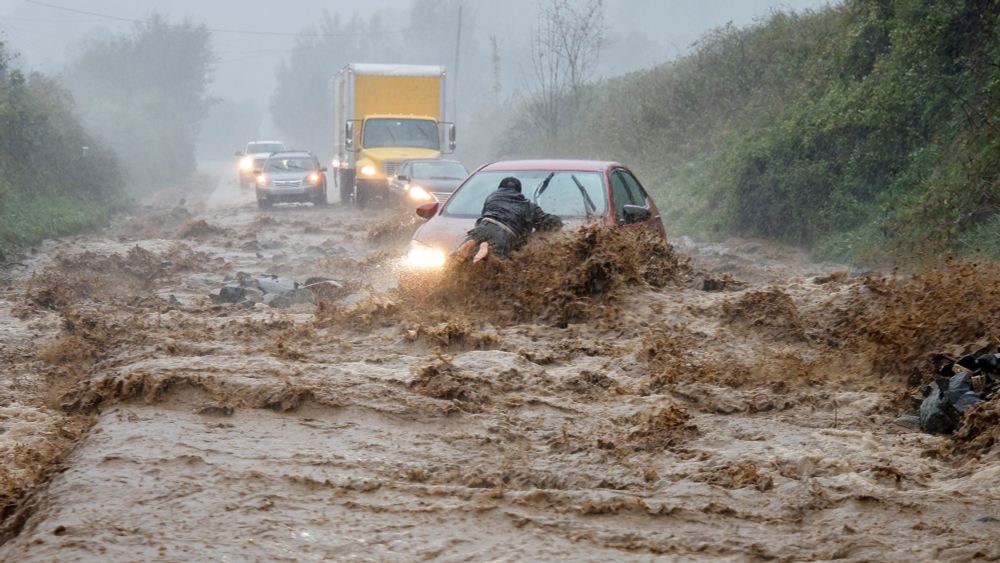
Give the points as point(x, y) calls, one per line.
point(561, 197)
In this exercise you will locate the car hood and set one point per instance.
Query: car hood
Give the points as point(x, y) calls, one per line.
point(287, 175)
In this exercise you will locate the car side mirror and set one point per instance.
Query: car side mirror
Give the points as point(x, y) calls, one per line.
point(402, 177)
point(349, 135)
point(451, 136)
point(238, 153)
point(636, 214)
point(427, 210)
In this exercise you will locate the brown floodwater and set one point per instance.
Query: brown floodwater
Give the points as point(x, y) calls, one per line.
point(734, 401)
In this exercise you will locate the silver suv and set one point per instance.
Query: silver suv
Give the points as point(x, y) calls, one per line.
point(290, 176)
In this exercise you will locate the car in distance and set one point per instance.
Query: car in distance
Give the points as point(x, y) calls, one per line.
point(578, 191)
point(252, 158)
point(290, 176)
point(426, 180)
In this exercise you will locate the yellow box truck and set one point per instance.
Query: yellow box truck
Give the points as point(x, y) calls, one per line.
point(384, 115)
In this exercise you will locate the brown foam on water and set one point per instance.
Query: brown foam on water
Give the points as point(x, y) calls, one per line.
point(561, 277)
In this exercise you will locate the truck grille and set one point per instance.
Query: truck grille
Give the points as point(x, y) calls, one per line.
point(391, 167)
point(287, 183)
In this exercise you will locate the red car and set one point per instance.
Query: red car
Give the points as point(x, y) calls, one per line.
point(578, 191)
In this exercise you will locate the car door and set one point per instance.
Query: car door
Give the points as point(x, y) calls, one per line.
point(626, 190)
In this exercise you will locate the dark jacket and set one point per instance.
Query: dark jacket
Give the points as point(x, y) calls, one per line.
point(510, 207)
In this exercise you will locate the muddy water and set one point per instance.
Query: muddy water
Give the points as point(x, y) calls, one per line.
point(683, 424)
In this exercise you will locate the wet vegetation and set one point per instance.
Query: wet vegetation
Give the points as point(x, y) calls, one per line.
point(55, 178)
point(867, 129)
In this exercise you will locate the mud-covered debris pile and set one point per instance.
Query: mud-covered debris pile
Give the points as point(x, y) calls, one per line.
point(561, 277)
point(961, 384)
point(906, 319)
point(276, 291)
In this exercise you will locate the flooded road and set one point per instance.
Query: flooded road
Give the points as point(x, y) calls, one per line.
point(743, 411)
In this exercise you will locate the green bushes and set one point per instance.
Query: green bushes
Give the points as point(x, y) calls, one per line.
point(869, 130)
point(54, 178)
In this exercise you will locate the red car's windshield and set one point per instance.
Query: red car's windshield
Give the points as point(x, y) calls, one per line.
point(563, 193)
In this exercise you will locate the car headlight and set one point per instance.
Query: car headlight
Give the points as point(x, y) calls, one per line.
point(423, 256)
point(261, 180)
point(335, 163)
point(246, 164)
point(368, 170)
point(418, 193)
point(313, 179)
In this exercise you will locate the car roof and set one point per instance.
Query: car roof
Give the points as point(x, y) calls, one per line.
point(265, 143)
point(550, 164)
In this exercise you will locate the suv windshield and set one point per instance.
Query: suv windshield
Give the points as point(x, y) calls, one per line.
point(290, 164)
point(414, 133)
point(439, 171)
point(562, 195)
point(257, 148)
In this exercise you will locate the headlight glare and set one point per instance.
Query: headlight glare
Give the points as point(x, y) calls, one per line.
point(261, 180)
point(422, 256)
point(368, 170)
point(313, 179)
point(418, 193)
point(246, 164)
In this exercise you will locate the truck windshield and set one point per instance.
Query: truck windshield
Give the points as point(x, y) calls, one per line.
point(413, 133)
point(562, 194)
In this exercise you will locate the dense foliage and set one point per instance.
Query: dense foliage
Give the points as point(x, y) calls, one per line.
point(869, 129)
point(54, 178)
point(146, 94)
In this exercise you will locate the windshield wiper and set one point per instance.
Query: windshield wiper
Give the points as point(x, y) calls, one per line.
point(591, 208)
point(542, 187)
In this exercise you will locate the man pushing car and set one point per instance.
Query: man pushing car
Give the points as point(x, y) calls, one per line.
point(506, 222)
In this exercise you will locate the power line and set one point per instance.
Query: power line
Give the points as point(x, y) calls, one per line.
point(219, 30)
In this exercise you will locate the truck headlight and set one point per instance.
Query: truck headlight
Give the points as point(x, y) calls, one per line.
point(418, 193)
point(424, 257)
point(246, 164)
point(368, 170)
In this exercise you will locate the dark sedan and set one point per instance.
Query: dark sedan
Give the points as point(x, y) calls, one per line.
point(427, 180)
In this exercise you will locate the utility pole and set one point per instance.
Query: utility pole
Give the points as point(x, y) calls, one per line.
point(454, 77)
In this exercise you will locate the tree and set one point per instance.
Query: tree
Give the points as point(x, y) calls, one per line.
point(145, 93)
point(565, 48)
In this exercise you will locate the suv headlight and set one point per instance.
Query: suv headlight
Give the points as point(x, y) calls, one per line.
point(246, 164)
point(422, 256)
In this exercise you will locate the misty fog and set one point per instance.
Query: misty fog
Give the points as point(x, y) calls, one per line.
point(251, 40)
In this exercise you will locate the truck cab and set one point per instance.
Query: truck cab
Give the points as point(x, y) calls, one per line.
point(385, 115)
